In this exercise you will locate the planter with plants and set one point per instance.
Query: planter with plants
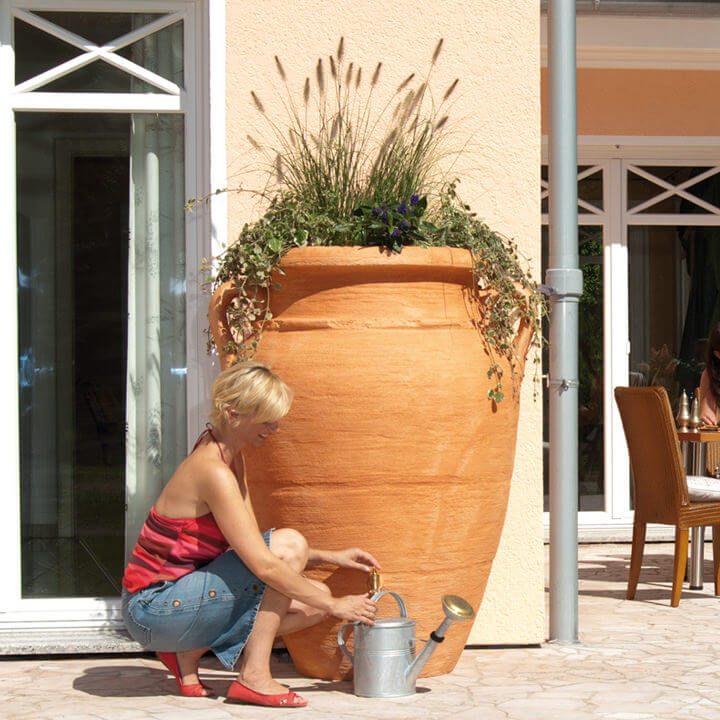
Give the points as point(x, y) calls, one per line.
point(402, 322)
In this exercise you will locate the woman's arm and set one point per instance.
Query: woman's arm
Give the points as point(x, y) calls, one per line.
point(708, 405)
point(219, 489)
point(354, 558)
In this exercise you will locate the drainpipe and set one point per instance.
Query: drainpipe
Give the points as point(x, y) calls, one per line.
point(564, 286)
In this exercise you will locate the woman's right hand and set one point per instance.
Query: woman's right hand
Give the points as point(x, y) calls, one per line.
point(354, 608)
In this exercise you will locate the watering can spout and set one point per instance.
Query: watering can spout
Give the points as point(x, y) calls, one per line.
point(456, 610)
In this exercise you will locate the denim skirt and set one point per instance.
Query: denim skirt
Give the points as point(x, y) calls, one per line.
point(214, 606)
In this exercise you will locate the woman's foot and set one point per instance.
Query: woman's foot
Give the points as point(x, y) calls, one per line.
point(260, 682)
point(239, 693)
point(184, 667)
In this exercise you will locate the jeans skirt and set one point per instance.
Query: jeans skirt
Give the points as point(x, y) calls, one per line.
point(214, 606)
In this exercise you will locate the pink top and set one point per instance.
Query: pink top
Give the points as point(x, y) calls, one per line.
point(169, 548)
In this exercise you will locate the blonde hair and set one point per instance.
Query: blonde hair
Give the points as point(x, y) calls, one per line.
point(250, 388)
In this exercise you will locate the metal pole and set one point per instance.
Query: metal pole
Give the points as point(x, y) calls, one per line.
point(564, 280)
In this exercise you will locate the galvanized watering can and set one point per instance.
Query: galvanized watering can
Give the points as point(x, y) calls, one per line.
point(384, 662)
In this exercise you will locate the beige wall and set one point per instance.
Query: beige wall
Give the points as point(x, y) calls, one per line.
point(644, 102)
point(493, 47)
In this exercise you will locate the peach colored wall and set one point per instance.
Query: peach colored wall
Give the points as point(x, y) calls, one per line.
point(644, 102)
point(493, 47)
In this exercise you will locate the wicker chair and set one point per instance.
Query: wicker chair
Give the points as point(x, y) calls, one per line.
point(660, 488)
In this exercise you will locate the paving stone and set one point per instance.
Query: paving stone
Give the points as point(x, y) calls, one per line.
point(636, 660)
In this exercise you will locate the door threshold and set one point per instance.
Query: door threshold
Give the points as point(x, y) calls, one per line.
point(67, 641)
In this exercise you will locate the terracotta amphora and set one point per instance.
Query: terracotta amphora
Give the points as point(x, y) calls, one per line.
point(392, 444)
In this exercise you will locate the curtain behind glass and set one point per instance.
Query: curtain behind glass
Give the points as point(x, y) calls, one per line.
point(156, 406)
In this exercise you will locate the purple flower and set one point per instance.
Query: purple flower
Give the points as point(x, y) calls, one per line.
point(384, 214)
point(395, 233)
point(405, 225)
point(414, 199)
point(377, 212)
point(402, 208)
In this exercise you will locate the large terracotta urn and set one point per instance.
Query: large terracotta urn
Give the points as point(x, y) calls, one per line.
point(391, 444)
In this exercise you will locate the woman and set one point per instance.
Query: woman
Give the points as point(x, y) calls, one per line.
point(202, 575)
point(710, 380)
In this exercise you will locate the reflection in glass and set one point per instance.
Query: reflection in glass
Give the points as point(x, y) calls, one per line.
point(79, 339)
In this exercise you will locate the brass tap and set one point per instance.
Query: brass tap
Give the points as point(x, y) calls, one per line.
point(374, 582)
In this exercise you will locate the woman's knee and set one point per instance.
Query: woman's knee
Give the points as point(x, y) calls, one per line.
point(291, 546)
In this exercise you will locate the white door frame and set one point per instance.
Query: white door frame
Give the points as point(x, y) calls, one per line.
point(206, 230)
point(614, 154)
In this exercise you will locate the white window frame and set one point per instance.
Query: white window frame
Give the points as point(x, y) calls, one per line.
point(202, 102)
point(614, 155)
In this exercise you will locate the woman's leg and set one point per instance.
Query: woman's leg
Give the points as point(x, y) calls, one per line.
point(300, 616)
point(272, 617)
point(189, 662)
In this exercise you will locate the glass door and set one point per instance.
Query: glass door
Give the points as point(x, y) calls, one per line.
point(673, 238)
point(101, 338)
point(96, 111)
point(648, 241)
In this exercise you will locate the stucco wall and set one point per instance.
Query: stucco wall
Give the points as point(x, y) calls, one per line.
point(493, 47)
point(644, 102)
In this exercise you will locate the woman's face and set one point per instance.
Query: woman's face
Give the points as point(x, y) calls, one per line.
point(249, 432)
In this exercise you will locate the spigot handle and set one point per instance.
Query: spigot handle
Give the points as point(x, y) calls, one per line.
point(341, 642)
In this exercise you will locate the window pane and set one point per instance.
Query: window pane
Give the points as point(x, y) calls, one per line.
point(161, 53)
point(77, 180)
point(99, 28)
point(98, 76)
point(37, 51)
point(643, 190)
point(590, 189)
point(672, 298)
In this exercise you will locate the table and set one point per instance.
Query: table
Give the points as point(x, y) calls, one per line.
point(697, 440)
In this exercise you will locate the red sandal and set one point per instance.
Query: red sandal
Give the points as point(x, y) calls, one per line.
point(169, 660)
point(237, 692)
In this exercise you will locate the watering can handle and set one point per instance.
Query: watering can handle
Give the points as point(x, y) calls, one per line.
point(344, 626)
point(341, 642)
point(398, 600)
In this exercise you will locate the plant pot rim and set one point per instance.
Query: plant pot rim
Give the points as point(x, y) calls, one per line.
point(354, 255)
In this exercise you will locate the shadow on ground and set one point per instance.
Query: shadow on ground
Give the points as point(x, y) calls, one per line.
point(611, 574)
point(136, 681)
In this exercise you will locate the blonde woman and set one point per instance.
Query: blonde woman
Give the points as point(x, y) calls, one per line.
point(203, 576)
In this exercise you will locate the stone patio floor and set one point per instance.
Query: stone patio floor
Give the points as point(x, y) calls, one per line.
point(636, 659)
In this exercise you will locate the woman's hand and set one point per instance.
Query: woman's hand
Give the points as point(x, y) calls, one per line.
point(355, 608)
point(355, 559)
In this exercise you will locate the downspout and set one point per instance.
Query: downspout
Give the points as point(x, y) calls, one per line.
point(564, 282)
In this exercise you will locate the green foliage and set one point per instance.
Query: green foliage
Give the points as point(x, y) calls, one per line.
point(334, 185)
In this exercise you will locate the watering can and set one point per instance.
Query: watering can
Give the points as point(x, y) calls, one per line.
point(384, 661)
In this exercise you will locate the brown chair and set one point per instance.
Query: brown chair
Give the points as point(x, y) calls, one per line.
point(660, 488)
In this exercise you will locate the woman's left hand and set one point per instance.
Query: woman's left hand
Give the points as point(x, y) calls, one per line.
point(355, 559)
